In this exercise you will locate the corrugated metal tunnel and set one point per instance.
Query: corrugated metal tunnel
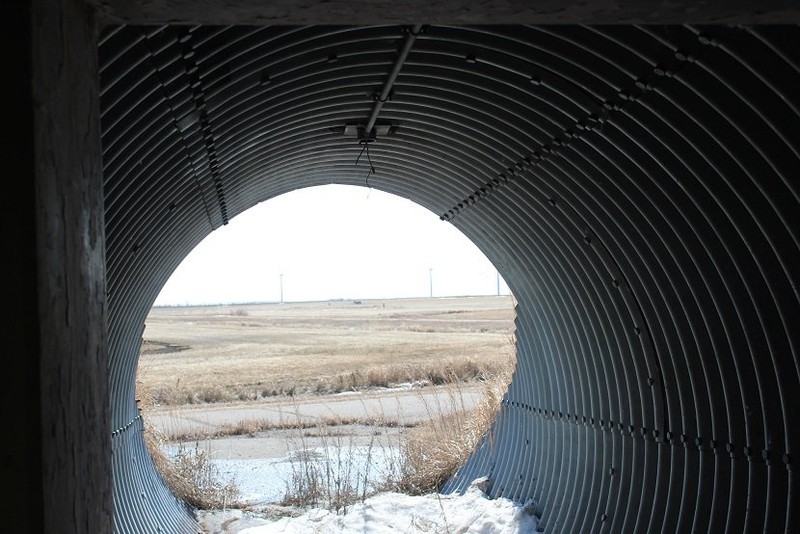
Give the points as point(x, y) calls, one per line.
point(636, 186)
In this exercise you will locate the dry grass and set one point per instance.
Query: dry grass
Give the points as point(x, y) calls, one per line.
point(191, 475)
point(247, 353)
point(333, 475)
point(391, 375)
point(338, 473)
point(434, 450)
point(430, 453)
point(250, 352)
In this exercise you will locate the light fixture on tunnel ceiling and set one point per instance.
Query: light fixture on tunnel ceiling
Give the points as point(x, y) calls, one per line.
point(358, 131)
point(364, 138)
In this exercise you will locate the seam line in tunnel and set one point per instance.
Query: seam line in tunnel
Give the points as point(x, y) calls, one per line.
point(591, 122)
point(192, 71)
point(655, 435)
point(177, 121)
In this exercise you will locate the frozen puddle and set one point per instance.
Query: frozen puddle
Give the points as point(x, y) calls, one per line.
point(332, 470)
point(359, 469)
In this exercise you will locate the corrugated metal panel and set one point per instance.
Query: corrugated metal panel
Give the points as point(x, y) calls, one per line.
point(636, 186)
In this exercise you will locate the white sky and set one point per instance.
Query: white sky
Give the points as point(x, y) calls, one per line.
point(331, 242)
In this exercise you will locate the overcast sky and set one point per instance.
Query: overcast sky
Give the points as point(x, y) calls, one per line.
point(331, 242)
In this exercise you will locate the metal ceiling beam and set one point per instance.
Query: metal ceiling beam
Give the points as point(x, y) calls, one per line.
point(381, 99)
point(248, 12)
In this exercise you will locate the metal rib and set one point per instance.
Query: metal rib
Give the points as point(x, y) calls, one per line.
point(635, 186)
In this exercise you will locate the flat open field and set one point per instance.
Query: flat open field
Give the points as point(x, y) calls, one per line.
point(247, 352)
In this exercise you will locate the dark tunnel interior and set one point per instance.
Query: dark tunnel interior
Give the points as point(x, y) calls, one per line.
point(631, 170)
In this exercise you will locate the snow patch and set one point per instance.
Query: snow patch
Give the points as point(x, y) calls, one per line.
point(384, 513)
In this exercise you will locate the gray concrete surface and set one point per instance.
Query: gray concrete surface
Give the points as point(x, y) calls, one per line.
point(399, 406)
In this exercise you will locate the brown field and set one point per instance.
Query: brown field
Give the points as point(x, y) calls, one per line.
point(246, 352)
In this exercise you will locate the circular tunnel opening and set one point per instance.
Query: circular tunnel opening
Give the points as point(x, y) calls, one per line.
point(375, 379)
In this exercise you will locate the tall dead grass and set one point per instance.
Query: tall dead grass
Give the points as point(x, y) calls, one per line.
point(335, 477)
point(191, 474)
point(435, 449)
point(337, 472)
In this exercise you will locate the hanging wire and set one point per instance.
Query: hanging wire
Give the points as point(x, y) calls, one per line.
point(366, 143)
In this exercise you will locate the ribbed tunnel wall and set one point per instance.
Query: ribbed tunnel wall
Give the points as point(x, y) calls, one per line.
point(636, 186)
